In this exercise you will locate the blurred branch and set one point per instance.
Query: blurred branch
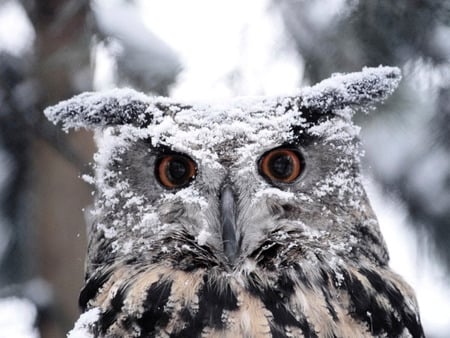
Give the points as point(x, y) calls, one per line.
point(143, 60)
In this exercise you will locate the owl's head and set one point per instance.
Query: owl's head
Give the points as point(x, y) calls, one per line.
point(236, 184)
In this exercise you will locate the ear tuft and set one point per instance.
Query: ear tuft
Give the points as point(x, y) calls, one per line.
point(101, 109)
point(363, 89)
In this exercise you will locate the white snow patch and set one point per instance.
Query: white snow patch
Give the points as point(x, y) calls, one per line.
point(148, 220)
point(81, 329)
point(88, 179)
point(127, 246)
point(275, 192)
point(358, 88)
point(16, 31)
point(203, 237)
point(17, 318)
point(90, 103)
point(191, 195)
point(108, 231)
point(336, 129)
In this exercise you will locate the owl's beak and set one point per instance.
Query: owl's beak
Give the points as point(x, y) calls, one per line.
point(228, 218)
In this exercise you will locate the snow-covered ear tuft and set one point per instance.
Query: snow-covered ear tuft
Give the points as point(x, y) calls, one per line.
point(100, 109)
point(362, 89)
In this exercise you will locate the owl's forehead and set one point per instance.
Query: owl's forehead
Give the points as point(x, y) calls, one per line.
point(232, 126)
point(237, 130)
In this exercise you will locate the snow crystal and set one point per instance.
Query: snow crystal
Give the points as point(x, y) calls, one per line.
point(81, 329)
point(127, 247)
point(336, 129)
point(134, 201)
point(187, 195)
point(339, 279)
point(203, 237)
point(274, 192)
point(108, 231)
point(17, 318)
point(88, 179)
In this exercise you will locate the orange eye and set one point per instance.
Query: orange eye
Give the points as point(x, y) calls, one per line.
point(281, 165)
point(175, 170)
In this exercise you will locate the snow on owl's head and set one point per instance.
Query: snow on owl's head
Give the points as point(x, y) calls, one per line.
point(174, 177)
point(244, 218)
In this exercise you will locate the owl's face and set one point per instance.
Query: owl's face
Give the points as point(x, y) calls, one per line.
point(238, 219)
point(228, 179)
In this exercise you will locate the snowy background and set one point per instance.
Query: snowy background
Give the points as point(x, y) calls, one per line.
point(203, 49)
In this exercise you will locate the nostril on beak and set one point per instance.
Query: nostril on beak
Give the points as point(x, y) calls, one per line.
point(228, 219)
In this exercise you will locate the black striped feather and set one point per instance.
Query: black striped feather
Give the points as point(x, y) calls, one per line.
point(297, 301)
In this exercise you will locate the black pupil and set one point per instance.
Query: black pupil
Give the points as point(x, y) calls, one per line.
point(281, 166)
point(177, 169)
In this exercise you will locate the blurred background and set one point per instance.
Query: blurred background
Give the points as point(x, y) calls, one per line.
point(53, 49)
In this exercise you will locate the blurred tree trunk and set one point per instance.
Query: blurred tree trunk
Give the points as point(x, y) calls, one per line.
point(60, 69)
point(15, 250)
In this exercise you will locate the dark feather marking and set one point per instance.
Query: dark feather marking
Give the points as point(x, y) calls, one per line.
point(214, 297)
point(324, 276)
point(273, 302)
point(108, 317)
point(369, 310)
point(103, 254)
point(397, 301)
point(310, 114)
point(187, 332)
point(410, 320)
point(95, 282)
point(326, 294)
point(367, 233)
point(330, 307)
point(186, 260)
point(277, 332)
point(154, 314)
point(266, 253)
point(368, 236)
point(312, 117)
point(302, 276)
point(186, 315)
point(126, 323)
point(285, 285)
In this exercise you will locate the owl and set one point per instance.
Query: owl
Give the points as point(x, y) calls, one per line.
point(237, 218)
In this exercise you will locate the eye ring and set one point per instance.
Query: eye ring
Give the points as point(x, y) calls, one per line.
point(281, 165)
point(175, 170)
